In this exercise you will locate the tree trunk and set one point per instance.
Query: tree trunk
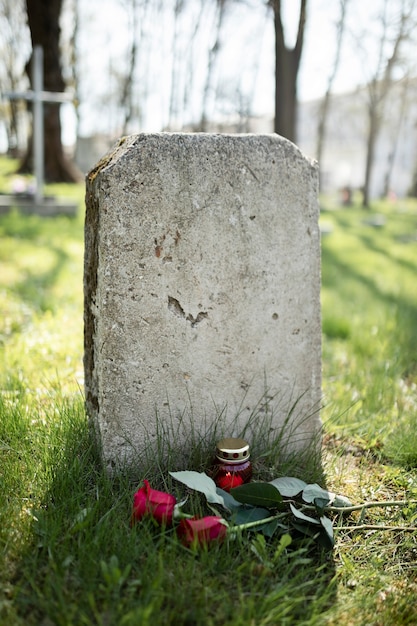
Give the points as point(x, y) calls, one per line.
point(43, 19)
point(382, 82)
point(370, 153)
point(395, 138)
point(325, 103)
point(213, 53)
point(287, 63)
point(127, 95)
point(413, 189)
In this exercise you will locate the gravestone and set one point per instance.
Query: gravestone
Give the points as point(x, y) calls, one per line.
point(202, 287)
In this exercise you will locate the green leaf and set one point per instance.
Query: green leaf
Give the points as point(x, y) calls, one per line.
point(311, 492)
point(288, 486)
point(314, 492)
point(284, 542)
point(270, 528)
point(341, 501)
point(200, 482)
point(300, 515)
point(229, 501)
point(320, 504)
point(258, 494)
point(244, 514)
point(305, 529)
point(328, 528)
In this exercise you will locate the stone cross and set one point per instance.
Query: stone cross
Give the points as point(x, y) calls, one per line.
point(202, 291)
point(38, 96)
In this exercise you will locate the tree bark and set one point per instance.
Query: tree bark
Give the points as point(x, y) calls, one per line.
point(127, 95)
point(381, 84)
point(396, 137)
point(43, 18)
point(12, 39)
point(373, 131)
point(287, 63)
point(213, 53)
point(325, 103)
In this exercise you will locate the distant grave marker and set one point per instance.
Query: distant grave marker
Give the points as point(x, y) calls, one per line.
point(39, 203)
point(202, 287)
point(377, 221)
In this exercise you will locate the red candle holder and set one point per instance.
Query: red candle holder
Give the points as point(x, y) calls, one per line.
point(232, 466)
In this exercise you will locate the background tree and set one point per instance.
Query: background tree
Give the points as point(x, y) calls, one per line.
point(401, 105)
point(325, 102)
point(212, 56)
point(43, 19)
point(287, 64)
point(73, 58)
point(176, 66)
point(136, 10)
point(13, 45)
point(396, 22)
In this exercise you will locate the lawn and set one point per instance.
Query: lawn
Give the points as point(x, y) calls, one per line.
point(69, 555)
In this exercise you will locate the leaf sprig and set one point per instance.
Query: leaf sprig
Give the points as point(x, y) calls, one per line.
point(283, 505)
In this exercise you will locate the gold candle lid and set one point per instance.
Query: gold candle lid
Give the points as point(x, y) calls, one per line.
point(232, 450)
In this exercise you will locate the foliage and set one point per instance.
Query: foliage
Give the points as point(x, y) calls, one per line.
point(261, 506)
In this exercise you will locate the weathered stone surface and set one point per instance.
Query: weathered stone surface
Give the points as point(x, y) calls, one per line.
point(202, 285)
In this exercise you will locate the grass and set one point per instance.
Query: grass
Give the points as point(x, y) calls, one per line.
point(68, 553)
point(370, 322)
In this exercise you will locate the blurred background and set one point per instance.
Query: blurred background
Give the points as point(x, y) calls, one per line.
point(338, 78)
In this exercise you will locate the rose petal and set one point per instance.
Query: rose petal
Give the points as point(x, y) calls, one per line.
point(201, 531)
point(158, 504)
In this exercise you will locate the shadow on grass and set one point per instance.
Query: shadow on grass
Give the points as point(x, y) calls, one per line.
point(371, 244)
point(34, 227)
point(404, 308)
point(385, 397)
point(36, 286)
point(84, 564)
point(35, 289)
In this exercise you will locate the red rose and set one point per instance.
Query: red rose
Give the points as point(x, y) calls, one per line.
point(201, 531)
point(229, 480)
point(158, 504)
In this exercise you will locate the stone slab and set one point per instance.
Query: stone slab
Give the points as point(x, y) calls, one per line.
point(48, 207)
point(202, 287)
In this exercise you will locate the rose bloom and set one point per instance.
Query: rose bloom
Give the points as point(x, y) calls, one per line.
point(157, 504)
point(193, 531)
point(229, 480)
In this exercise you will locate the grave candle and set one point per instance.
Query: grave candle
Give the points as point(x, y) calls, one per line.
point(232, 466)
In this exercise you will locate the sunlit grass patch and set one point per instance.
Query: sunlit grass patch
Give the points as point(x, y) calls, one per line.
point(368, 291)
point(401, 446)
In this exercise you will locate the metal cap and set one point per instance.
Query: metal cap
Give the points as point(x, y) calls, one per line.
point(232, 450)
